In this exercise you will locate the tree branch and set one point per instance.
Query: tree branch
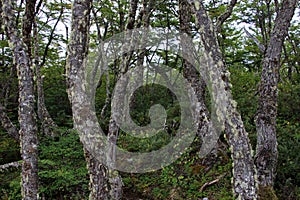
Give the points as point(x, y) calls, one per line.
point(261, 47)
point(211, 182)
point(225, 15)
point(51, 37)
point(16, 164)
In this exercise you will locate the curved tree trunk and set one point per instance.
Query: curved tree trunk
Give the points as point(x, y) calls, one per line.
point(81, 105)
point(193, 76)
point(115, 179)
point(266, 149)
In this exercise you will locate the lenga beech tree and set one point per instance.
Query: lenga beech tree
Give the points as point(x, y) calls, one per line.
point(20, 45)
point(266, 149)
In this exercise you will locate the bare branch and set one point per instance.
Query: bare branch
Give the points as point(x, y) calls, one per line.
point(51, 37)
point(260, 45)
point(211, 182)
point(225, 15)
point(7, 166)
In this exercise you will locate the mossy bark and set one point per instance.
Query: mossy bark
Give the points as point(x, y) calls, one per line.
point(27, 120)
point(84, 116)
point(244, 186)
point(266, 149)
point(197, 82)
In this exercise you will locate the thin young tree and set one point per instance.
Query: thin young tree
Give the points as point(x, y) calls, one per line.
point(21, 47)
point(266, 149)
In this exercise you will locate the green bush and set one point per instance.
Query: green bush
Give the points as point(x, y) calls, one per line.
point(62, 167)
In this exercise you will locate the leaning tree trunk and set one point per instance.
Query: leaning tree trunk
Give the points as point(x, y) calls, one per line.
point(81, 105)
point(243, 165)
point(266, 150)
point(198, 84)
point(27, 121)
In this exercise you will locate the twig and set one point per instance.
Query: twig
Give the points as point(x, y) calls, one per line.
point(212, 182)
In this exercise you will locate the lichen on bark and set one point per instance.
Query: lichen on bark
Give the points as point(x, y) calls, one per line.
point(27, 120)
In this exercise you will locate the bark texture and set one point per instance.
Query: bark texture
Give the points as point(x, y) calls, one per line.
point(28, 128)
point(28, 20)
point(243, 166)
point(266, 150)
point(84, 117)
point(194, 77)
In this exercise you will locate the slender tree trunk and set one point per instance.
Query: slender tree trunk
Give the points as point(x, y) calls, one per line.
point(28, 20)
point(48, 125)
point(81, 104)
point(189, 71)
point(28, 129)
point(266, 150)
point(243, 165)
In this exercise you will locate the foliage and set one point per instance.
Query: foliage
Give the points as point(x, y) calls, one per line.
point(288, 180)
point(10, 179)
point(244, 87)
point(183, 179)
point(62, 170)
point(62, 166)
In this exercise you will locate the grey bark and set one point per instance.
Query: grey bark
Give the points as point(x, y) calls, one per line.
point(84, 117)
point(28, 20)
point(266, 150)
point(243, 165)
point(8, 166)
point(28, 128)
point(260, 45)
point(193, 76)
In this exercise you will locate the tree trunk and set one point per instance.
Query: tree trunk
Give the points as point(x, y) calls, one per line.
point(28, 129)
point(193, 76)
point(243, 165)
point(81, 104)
point(115, 179)
point(266, 150)
point(99, 184)
point(48, 126)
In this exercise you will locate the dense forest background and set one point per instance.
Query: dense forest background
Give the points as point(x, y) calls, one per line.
point(62, 168)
